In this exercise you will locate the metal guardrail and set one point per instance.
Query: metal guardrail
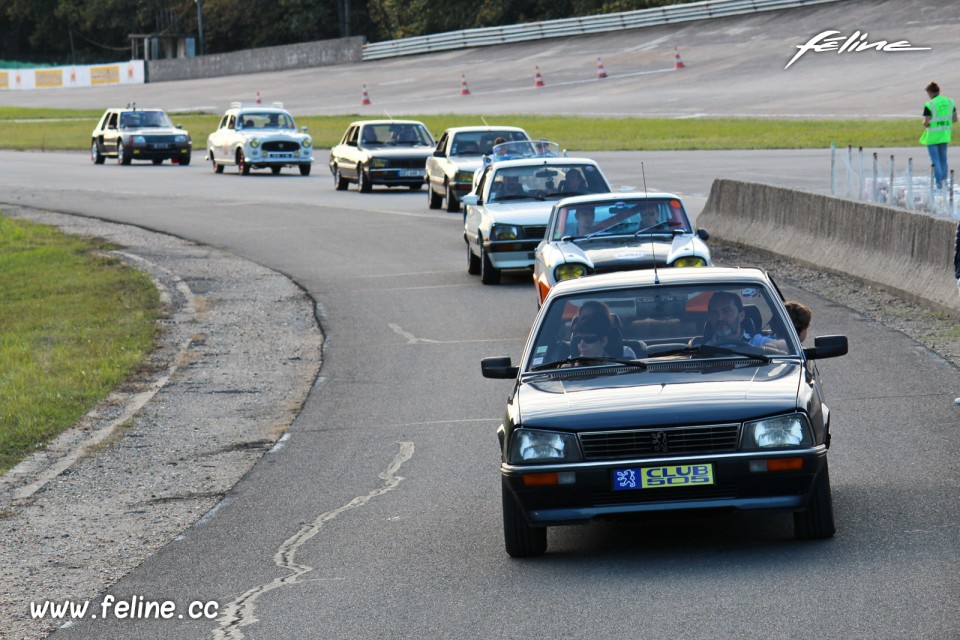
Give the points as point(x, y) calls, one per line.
point(576, 26)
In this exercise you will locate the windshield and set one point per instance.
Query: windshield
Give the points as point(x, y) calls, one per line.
point(544, 181)
point(145, 120)
point(273, 120)
point(618, 217)
point(662, 322)
point(395, 135)
point(472, 143)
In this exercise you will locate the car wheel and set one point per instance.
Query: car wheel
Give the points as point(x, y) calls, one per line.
point(816, 522)
point(217, 168)
point(453, 205)
point(275, 170)
point(488, 273)
point(339, 182)
point(185, 159)
point(363, 180)
point(242, 167)
point(95, 156)
point(520, 539)
point(434, 200)
point(122, 157)
point(305, 169)
point(473, 262)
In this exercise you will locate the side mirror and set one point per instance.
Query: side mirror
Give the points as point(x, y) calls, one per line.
point(703, 234)
point(471, 199)
point(499, 367)
point(303, 128)
point(826, 347)
point(439, 154)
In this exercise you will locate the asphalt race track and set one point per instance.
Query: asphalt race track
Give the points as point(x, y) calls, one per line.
point(390, 476)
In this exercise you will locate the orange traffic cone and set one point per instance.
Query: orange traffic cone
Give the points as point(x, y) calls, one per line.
point(601, 72)
point(464, 89)
point(537, 79)
point(258, 97)
point(677, 62)
point(364, 97)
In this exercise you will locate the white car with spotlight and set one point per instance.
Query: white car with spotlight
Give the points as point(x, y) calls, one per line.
point(256, 136)
point(506, 214)
point(617, 232)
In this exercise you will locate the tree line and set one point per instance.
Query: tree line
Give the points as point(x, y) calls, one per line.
point(84, 32)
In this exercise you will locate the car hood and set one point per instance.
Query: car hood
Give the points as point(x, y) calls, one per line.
point(522, 212)
point(627, 253)
point(707, 392)
point(400, 152)
point(155, 131)
point(467, 163)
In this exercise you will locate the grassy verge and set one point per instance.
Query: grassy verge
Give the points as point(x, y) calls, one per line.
point(73, 325)
point(61, 129)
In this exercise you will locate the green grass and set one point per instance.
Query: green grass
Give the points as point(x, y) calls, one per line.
point(63, 129)
point(74, 323)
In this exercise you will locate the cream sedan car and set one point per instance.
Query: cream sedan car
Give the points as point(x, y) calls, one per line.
point(616, 232)
point(256, 136)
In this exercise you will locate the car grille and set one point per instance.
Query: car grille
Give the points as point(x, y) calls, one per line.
point(672, 441)
point(281, 145)
point(715, 492)
point(535, 232)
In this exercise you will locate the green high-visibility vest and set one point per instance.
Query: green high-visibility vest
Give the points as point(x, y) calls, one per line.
point(941, 119)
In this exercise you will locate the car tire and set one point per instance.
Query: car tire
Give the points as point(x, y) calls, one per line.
point(275, 170)
point(339, 182)
point(473, 262)
point(185, 159)
point(363, 180)
point(488, 273)
point(305, 169)
point(816, 522)
point(122, 157)
point(217, 168)
point(520, 539)
point(453, 205)
point(95, 155)
point(243, 168)
point(434, 200)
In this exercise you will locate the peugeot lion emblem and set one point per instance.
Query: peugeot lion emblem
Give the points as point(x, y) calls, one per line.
point(658, 439)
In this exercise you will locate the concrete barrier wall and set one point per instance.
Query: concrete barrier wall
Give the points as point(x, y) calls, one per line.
point(907, 253)
point(295, 56)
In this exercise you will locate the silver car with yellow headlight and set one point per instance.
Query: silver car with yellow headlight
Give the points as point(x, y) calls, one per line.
point(616, 232)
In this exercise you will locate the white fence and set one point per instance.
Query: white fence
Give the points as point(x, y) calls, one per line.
point(878, 177)
point(97, 75)
point(576, 26)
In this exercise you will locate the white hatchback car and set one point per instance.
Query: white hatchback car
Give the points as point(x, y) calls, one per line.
point(616, 232)
point(507, 212)
point(256, 136)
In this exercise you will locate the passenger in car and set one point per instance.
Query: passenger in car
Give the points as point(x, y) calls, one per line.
point(592, 315)
point(574, 182)
point(725, 317)
point(801, 315)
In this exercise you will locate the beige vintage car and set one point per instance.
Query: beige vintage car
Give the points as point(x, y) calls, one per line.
point(391, 153)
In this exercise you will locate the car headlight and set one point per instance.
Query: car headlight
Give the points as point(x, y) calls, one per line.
point(777, 433)
point(530, 445)
point(138, 140)
point(378, 162)
point(464, 176)
point(307, 142)
point(504, 232)
point(690, 261)
point(255, 143)
point(569, 271)
point(181, 139)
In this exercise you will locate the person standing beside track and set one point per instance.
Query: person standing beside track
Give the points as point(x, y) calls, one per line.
point(939, 114)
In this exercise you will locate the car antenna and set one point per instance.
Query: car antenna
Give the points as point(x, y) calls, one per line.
point(484, 121)
point(653, 245)
point(389, 117)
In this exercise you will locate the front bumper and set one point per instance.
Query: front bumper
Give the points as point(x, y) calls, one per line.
point(258, 158)
point(515, 254)
point(396, 177)
point(158, 152)
point(588, 493)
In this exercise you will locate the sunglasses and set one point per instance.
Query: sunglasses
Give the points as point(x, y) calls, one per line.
point(589, 338)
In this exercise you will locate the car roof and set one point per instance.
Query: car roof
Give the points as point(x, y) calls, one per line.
point(648, 277)
point(624, 196)
point(482, 128)
point(526, 162)
point(361, 122)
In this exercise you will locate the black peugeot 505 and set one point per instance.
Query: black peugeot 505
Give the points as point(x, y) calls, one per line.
point(663, 390)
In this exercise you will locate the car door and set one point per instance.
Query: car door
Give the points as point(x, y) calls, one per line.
point(473, 213)
point(350, 153)
point(111, 133)
point(436, 162)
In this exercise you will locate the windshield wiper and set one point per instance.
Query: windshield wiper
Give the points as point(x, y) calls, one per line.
point(524, 196)
point(556, 364)
point(709, 349)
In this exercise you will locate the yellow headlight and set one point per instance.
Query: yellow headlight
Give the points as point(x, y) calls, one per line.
point(307, 142)
point(569, 271)
point(378, 162)
point(255, 143)
point(690, 261)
